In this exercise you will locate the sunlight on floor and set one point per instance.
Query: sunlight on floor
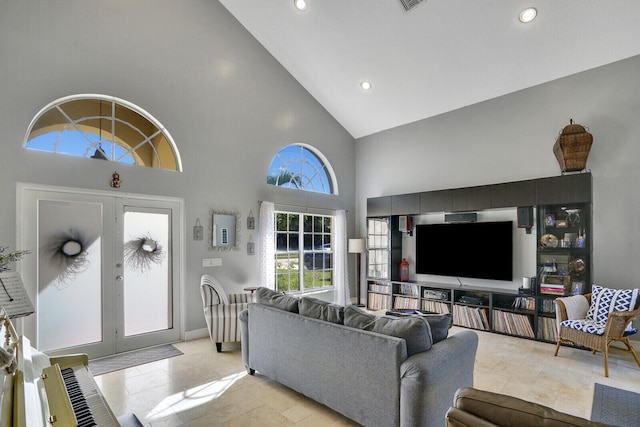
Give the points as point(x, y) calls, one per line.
point(193, 397)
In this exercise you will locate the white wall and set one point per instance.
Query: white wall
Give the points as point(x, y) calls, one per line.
point(511, 138)
point(229, 105)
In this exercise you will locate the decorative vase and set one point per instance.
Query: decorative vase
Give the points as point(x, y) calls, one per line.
point(572, 147)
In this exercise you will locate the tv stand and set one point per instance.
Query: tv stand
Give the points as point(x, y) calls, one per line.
point(503, 311)
point(563, 206)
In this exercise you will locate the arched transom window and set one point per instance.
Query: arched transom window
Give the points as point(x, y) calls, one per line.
point(103, 127)
point(302, 167)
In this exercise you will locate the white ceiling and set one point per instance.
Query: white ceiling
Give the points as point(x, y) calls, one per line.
point(440, 56)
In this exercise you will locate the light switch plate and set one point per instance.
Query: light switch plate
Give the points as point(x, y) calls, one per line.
point(212, 262)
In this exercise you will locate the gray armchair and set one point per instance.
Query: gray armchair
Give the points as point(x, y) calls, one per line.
point(221, 311)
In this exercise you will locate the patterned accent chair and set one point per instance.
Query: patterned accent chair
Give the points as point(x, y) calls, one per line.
point(606, 317)
point(221, 311)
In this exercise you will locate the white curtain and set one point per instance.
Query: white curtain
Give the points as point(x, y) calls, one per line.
point(267, 253)
point(340, 273)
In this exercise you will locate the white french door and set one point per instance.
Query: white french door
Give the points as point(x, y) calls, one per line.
point(105, 275)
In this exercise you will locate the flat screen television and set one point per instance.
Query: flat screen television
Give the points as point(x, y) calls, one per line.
point(481, 250)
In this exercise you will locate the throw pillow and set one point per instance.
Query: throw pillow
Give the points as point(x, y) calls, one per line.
point(323, 310)
point(440, 325)
point(275, 299)
point(605, 300)
point(413, 329)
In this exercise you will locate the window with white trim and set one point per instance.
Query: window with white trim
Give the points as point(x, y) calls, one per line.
point(302, 167)
point(105, 128)
point(304, 252)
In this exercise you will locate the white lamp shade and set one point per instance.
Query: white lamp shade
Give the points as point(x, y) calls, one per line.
point(357, 246)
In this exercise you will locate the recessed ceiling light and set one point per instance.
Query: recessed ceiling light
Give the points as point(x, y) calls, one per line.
point(528, 15)
point(300, 4)
point(365, 85)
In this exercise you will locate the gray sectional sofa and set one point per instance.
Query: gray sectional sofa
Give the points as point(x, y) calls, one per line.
point(377, 371)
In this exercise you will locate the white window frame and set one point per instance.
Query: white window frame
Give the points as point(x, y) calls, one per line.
point(299, 254)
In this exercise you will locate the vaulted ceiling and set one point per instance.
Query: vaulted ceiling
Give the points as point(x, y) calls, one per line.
point(439, 56)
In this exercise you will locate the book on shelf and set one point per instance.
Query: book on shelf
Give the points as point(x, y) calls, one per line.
point(378, 301)
point(547, 306)
point(382, 289)
point(547, 329)
point(552, 290)
point(435, 306)
point(554, 284)
point(470, 317)
point(512, 323)
point(409, 289)
point(524, 303)
point(405, 303)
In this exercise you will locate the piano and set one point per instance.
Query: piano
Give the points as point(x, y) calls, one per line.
point(41, 391)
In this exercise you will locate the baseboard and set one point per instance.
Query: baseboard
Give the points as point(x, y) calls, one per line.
point(196, 334)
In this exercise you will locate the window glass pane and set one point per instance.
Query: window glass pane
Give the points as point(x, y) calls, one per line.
point(327, 225)
point(308, 242)
point(299, 167)
point(281, 222)
point(104, 128)
point(281, 242)
point(317, 224)
point(308, 223)
point(294, 242)
point(294, 222)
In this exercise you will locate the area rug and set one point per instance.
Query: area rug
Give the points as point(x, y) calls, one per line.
point(615, 406)
point(132, 358)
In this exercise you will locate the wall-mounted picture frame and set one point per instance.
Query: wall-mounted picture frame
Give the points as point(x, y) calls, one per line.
point(251, 221)
point(561, 223)
point(251, 248)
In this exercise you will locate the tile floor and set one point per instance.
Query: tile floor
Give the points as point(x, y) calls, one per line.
point(205, 388)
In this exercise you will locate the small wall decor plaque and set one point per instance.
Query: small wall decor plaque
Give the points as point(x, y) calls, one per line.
point(251, 221)
point(198, 231)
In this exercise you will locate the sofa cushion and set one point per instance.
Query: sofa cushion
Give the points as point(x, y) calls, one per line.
point(275, 299)
point(605, 301)
point(439, 324)
point(322, 310)
point(413, 329)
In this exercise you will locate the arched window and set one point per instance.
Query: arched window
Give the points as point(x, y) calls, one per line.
point(103, 127)
point(302, 167)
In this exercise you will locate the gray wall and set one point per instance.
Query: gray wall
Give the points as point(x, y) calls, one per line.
point(229, 105)
point(511, 138)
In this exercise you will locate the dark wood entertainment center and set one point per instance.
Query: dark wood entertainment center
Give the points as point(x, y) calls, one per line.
point(563, 206)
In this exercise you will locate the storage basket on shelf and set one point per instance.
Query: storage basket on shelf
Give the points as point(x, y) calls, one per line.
point(572, 147)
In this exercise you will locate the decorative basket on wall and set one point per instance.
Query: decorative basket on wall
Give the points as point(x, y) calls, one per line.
point(572, 147)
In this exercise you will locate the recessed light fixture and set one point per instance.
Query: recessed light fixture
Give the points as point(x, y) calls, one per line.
point(300, 4)
point(365, 85)
point(528, 15)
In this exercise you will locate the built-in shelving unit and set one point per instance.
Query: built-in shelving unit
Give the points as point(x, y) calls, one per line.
point(563, 257)
point(496, 310)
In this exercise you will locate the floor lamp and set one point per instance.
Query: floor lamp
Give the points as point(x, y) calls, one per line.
point(357, 246)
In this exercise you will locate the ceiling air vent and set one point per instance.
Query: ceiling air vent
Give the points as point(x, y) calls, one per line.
point(410, 4)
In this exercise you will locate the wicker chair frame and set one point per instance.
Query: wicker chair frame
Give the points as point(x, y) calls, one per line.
point(613, 332)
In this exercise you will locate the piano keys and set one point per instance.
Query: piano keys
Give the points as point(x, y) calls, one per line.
point(58, 391)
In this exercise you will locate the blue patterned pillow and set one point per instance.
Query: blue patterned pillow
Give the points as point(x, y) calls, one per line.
point(605, 300)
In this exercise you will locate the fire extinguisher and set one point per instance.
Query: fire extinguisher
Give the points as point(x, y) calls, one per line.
point(404, 270)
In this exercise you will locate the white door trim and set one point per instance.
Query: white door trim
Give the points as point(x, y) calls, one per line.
point(22, 243)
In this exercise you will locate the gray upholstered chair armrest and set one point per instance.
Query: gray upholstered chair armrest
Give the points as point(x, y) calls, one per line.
point(431, 378)
point(243, 318)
